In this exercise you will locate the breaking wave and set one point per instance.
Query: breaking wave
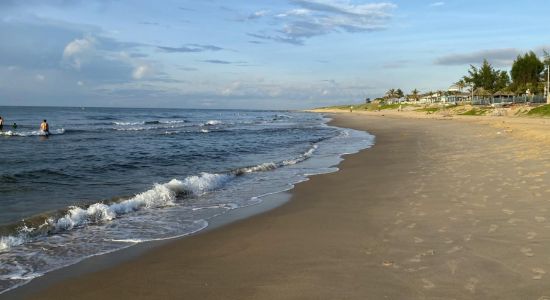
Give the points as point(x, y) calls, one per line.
point(31, 132)
point(159, 196)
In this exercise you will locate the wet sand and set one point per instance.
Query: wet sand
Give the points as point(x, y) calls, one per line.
point(437, 209)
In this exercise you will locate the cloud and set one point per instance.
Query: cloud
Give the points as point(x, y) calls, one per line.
point(256, 15)
point(140, 71)
point(91, 56)
point(436, 4)
point(217, 61)
point(77, 50)
point(40, 77)
point(320, 17)
point(497, 57)
point(149, 23)
point(189, 48)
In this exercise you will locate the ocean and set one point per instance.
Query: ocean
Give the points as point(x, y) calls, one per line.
point(110, 178)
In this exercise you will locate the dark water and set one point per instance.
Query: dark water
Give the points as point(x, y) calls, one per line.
point(108, 178)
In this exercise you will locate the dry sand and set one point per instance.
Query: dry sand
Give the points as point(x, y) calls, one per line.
point(437, 209)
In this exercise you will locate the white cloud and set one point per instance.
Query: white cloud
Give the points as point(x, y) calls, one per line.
point(318, 17)
point(77, 46)
point(40, 77)
point(78, 50)
point(436, 4)
point(80, 83)
point(141, 71)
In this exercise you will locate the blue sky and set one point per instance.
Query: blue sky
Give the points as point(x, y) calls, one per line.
point(251, 54)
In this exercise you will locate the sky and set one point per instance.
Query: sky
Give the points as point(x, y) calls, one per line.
point(279, 54)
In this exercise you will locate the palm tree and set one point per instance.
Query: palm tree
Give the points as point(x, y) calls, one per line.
point(461, 84)
point(390, 93)
point(415, 94)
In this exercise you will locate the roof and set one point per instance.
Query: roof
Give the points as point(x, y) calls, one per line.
point(503, 93)
point(481, 92)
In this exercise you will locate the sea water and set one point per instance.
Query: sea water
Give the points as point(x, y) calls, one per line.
point(109, 178)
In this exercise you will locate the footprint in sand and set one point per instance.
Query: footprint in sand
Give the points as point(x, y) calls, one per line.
point(508, 211)
point(418, 240)
point(492, 228)
point(454, 249)
point(410, 270)
point(427, 284)
point(453, 265)
point(398, 222)
point(531, 235)
point(527, 251)
point(544, 298)
point(513, 221)
point(540, 219)
point(467, 237)
point(471, 284)
point(538, 273)
point(411, 226)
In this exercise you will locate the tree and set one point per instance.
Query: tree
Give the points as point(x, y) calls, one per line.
point(390, 93)
point(487, 77)
point(460, 84)
point(547, 63)
point(415, 94)
point(526, 72)
point(399, 93)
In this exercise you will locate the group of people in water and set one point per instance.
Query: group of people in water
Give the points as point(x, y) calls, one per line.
point(44, 127)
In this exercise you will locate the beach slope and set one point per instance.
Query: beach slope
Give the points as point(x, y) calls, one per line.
point(437, 209)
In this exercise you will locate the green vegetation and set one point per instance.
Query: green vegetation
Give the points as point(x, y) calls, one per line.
point(526, 73)
point(368, 107)
point(474, 112)
point(428, 110)
point(487, 77)
point(543, 110)
point(393, 106)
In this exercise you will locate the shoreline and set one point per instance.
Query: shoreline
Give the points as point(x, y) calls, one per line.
point(98, 262)
point(403, 219)
point(112, 259)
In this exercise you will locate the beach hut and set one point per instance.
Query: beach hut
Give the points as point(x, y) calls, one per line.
point(503, 97)
point(481, 96)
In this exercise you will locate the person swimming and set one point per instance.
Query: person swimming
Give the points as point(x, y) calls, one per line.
point(1, 124)
point(14, 126)
point(44, 127)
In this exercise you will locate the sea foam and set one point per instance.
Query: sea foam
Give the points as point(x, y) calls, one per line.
point(31, 133)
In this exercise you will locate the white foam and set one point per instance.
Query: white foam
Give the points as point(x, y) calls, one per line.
point(131, 129)
point(128, 123)
point(173, 122)
point(213, 122)
point(131, 241)
point(31, 133)
point(261, 167)
point(161, 195)
point(203, 183)
point(7, 242)
point(300, 158)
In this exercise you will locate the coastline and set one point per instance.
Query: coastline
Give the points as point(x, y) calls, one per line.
point(433, 210)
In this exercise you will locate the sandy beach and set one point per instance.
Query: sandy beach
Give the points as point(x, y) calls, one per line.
point(439, 208)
